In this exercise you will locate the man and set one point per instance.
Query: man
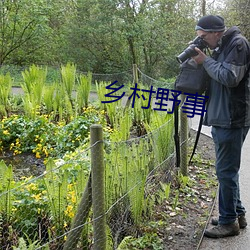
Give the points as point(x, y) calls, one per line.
point(228, 112)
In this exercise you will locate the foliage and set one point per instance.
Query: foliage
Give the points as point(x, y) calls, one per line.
point(83, 90)
point(51, 200)
point(236, 13)
point(22, 245)
point(30, 204)
point(106, 36)
point(22, 23)
point(46, 205)
point(44, 138)
point(34, 81)
point(6, 184)
point(68, 74)
point(161, 126)
point(147, 241)
point(5, 89)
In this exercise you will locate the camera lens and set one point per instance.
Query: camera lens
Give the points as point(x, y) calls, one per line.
point(190, 51)
point(187, 53)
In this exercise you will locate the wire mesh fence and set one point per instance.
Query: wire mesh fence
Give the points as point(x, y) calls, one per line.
point(56, 209)
point(45, 211)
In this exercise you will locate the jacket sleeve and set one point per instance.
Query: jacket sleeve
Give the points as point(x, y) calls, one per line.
point(234, 66)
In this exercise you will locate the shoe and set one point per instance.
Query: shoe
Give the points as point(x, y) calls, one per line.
point(241, 219)
point(221, 231)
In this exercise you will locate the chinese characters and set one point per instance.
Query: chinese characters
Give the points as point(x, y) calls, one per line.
point(164, 99)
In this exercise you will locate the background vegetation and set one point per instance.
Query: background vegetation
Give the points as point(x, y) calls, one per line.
point(107, 36)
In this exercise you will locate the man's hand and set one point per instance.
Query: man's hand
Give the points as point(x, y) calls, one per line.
point(200, 58)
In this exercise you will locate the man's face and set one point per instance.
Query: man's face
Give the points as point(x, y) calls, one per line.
point(211, 38)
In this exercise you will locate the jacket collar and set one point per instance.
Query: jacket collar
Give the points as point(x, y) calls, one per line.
point(231, 32)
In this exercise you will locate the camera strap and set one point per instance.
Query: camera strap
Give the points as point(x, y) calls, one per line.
point(206, 51)
point(177, 138)
point(197, 138)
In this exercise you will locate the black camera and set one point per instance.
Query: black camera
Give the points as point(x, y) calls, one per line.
point(190, 51)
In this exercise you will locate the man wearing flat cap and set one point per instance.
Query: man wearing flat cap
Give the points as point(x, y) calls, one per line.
point(228, 112)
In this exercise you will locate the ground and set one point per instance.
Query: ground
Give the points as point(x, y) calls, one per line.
point(196, 200)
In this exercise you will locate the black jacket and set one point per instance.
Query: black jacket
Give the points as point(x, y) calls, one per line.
point(229, 89)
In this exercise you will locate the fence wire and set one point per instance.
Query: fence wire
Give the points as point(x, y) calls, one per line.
point(149, 81)
point(44, 210)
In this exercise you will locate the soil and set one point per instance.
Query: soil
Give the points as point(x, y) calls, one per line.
point(25, 164)
point(188, 221)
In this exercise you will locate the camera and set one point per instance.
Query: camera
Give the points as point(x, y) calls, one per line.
point(190, 51)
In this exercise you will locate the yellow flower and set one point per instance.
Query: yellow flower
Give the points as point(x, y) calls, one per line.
point(16, 152)
point(45, 151)
point(69, 211)
point(6, 132)
point(38, 156)
point(37, 196)
point(31, 187)
point(14, 209)
point(73, 199)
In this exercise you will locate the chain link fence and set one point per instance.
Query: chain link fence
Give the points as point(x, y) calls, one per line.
point(95, 200)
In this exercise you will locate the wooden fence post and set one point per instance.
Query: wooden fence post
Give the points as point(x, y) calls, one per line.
point(183, 141)
point(80, 218)
point(98, 194)
point(135, 80)
point(135, 74)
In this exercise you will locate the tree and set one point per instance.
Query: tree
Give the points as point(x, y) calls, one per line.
point(237, 12)
point(21, 21)
point(108, 36)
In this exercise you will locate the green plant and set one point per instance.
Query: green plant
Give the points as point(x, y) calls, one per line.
point(164, 191)
point(43, 137)
point(23, 134)
point(147, 241)
point(29, 244)
point(122, 124)
point(68, 74)
point(48, 98)
point(142, 108)
point(160, 130)
point(114, 109)
point(34, 81)
point(6, 196)
point(176, 199)
point(5, 90)
point(184, 181)
point(83, 91)
point(126, 172)
point(30, 207)
point(56, 187)
point(64, 184)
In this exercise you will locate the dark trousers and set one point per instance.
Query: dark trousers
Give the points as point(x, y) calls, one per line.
point(228, 145)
